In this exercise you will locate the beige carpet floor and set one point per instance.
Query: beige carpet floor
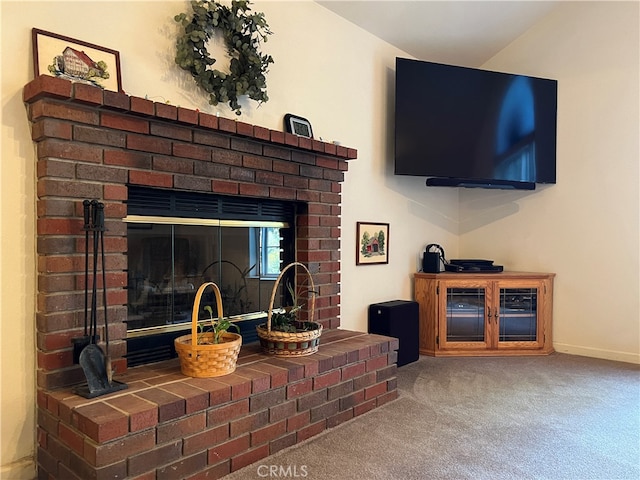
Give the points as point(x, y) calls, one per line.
point(554, 417)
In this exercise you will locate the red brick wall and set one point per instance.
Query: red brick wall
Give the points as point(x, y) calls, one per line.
point(93, 144)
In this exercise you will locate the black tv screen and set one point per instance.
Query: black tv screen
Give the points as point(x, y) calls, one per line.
point(463, 126)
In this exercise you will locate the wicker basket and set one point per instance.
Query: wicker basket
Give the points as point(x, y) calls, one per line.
point(289, 344)
point(207, 359)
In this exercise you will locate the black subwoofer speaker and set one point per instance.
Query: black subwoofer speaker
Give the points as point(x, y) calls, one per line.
point(399, 319)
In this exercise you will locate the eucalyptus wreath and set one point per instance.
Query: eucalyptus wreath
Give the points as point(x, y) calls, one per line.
point(242, 31)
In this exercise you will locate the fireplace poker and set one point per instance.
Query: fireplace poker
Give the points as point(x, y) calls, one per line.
point(94, 287)
point(101, 228)
point(87, 225)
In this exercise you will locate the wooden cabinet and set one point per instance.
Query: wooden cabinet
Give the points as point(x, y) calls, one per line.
point(507, 313)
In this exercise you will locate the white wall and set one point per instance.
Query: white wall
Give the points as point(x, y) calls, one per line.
point(586, 227)
point(341, 79)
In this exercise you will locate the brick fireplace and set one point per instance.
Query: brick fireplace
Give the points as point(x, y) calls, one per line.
point(92, 143)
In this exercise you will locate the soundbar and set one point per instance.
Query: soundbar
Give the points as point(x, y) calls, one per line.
point(468, 183)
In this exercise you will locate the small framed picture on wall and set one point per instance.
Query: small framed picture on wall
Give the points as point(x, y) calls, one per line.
point(372, 243)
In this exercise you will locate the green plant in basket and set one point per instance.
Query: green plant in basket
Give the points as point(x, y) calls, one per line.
point(218, 327)
point(286, 320)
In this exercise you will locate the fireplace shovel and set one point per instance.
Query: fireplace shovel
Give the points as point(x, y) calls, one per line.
point(80, 342)
point(93, 363)
point(97, 368)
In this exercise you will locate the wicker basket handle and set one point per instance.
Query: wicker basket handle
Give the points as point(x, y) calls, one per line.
point(275, 288)
point(196, 309)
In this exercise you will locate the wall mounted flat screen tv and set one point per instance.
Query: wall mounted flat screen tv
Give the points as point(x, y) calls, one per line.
point(461, 126)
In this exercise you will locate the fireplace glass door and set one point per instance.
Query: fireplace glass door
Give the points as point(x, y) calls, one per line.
point(168, 262)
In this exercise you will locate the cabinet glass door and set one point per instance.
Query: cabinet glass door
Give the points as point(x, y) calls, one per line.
point(465, 315)
point(518, 315)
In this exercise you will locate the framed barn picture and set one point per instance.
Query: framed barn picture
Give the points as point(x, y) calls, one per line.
point(372, 243)
point(75, 60)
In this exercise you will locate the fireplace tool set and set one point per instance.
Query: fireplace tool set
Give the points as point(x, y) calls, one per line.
point(86, 351)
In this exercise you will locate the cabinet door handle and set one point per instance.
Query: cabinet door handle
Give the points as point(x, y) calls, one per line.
point(488, 314)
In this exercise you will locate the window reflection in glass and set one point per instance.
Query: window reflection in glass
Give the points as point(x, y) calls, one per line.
point(518, 317)
point(465, 314)
point(167, 264)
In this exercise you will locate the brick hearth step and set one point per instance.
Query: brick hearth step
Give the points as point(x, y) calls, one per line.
point(169, 426)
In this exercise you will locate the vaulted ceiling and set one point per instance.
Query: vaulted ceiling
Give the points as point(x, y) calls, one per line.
point(466, 33)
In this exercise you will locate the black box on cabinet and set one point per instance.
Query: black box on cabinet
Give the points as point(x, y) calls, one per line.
point(399, 319)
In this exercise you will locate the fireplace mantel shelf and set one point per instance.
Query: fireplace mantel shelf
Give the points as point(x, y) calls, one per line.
point(61, 89)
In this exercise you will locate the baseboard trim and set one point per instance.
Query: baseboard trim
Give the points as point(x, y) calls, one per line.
point(626, 357)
